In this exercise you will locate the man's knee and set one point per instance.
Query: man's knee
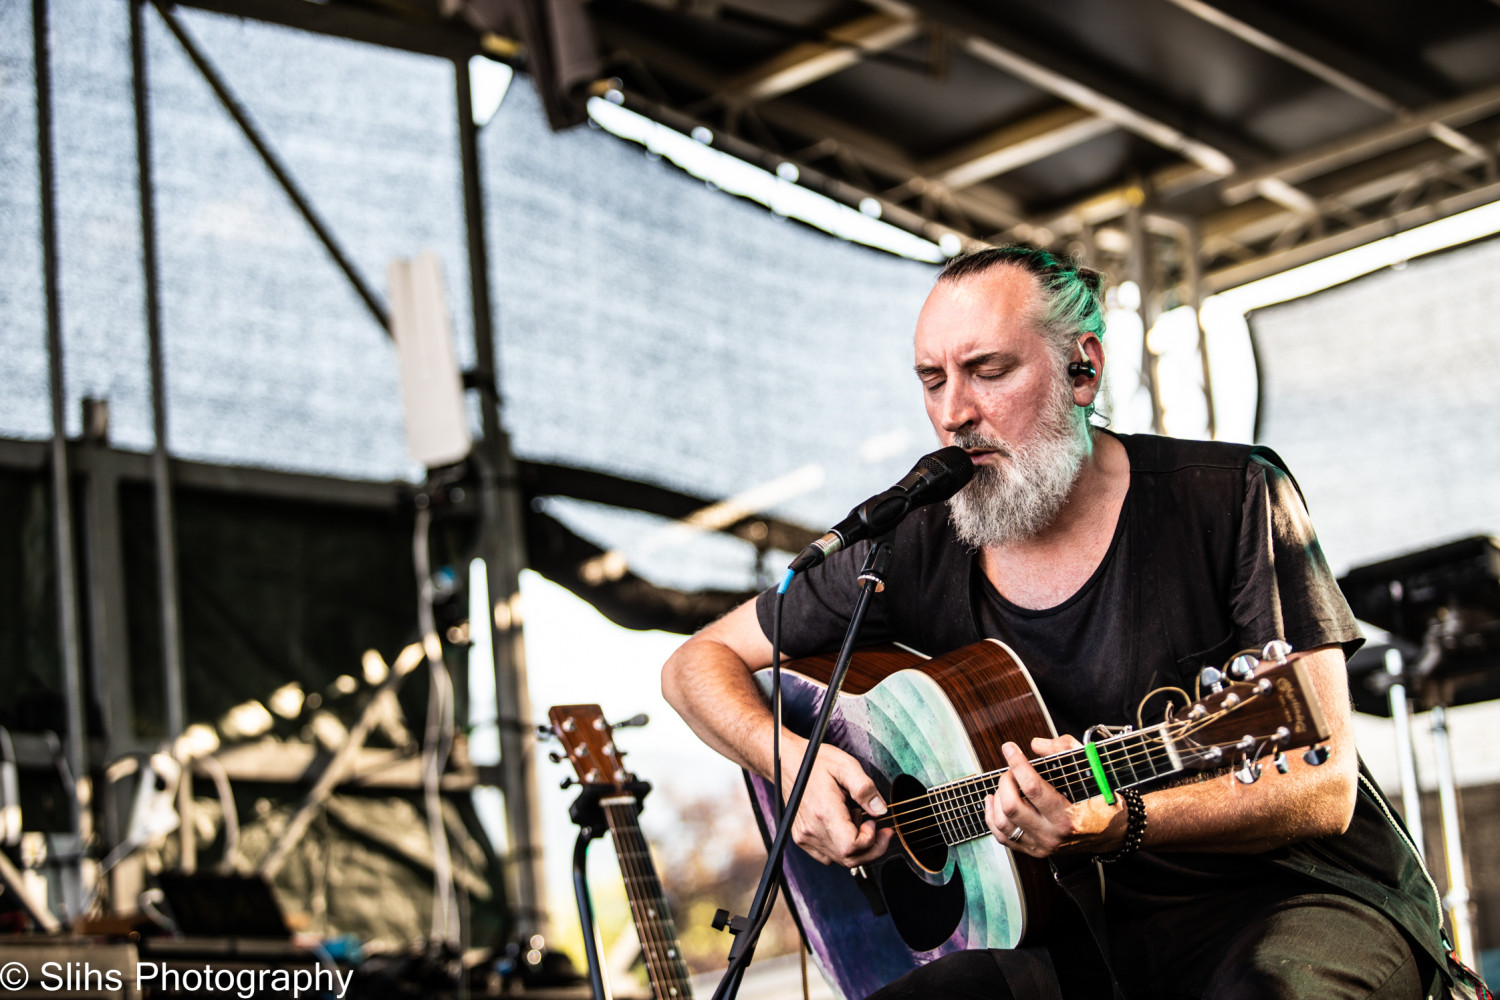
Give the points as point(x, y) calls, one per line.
point(1318, 946)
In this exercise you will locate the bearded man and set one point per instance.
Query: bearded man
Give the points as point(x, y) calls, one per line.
point(1114, 565)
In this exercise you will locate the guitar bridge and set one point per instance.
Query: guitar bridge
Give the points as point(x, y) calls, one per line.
point(872, 892)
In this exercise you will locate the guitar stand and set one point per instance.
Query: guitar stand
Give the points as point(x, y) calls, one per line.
point(587, 813)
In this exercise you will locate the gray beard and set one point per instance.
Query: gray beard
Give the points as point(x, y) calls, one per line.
point(1024, 491)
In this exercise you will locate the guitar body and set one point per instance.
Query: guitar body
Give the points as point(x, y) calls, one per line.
point(914, 724)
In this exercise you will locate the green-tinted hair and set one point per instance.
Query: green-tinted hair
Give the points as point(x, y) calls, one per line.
point(1073, 294)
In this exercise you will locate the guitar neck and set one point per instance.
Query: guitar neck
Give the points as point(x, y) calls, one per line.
point(1127, 760)
point(648, 906)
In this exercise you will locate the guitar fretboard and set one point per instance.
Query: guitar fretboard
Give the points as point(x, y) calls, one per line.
point(648, 906)
point(1127, 760)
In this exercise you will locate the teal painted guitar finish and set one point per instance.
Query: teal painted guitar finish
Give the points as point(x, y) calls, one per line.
point(905, 725)
point(929, 733)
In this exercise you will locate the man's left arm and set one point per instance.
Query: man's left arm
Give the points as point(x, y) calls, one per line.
point(1220, 815)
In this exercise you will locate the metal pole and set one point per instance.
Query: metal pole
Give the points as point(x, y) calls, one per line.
point(161, 483)
point(1140, 273)
point(504, 556)
point(166, 533)
point(76, 752)
point(1406, 760)
point(1457, 900)
point(1193, 278)
point(598, 978)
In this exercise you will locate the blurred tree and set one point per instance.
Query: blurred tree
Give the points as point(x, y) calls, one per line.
point(710, 859)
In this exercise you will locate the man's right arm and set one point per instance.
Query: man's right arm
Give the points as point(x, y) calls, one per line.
point(709, 682)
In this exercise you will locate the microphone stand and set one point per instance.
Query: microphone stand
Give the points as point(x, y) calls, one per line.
point(747, 929)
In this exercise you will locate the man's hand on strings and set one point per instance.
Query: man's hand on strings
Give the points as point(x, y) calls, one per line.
point(1031, 817)
point(823, 826)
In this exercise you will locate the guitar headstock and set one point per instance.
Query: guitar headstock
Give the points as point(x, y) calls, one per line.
point(1273, 710)
point(589, 743)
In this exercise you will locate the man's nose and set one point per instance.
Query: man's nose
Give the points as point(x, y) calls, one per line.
point(957, 410)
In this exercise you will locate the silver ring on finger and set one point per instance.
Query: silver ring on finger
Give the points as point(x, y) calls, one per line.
point(1017, 835)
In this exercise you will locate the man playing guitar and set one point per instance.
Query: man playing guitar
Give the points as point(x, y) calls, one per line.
point(1115, 565)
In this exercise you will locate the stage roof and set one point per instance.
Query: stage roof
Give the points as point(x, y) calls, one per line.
point(1265, 133)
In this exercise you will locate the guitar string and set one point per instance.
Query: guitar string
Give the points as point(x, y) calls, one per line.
point(638, 877)
point(658, 935)
point(933, 832)
point(1052, 772)
point(946, 827)
point(1080, 770)
point(944, 807)
point(1070, 772)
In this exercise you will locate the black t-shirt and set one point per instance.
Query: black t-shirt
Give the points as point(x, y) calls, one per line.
point(1282, 588)
point(1213, 552)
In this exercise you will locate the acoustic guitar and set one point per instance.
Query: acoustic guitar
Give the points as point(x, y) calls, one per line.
point(929, 733)
point(589, 743)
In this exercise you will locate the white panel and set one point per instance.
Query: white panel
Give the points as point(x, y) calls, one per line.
point(431, 387)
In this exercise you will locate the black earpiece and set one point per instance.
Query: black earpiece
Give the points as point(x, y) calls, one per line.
point(1084, 369)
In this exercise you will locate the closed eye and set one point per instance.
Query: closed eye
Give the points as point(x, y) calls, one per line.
point(932, 378)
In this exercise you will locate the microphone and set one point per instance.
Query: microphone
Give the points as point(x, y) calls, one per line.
point(934, 478)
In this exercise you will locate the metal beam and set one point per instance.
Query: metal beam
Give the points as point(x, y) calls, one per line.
point(1334, 64)
point(303, 764)
point(360, 23)
point(989, 205)
point(273, 163)
point(1016, 145)
point(1261, 267)
point(1071, 78)
point(1362, 78)
point(1299, 167)
point(871, 151)
point(1357, 186)
point(808, 62)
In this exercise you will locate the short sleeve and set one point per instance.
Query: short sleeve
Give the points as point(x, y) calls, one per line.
point(1283, 588)
point(819, 604)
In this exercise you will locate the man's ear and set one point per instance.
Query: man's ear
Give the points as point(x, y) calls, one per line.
point(1087, 369)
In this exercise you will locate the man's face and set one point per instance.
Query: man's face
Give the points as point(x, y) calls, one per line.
point(984, 364)
point(994, 386)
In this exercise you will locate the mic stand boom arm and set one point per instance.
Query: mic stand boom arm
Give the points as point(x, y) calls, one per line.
point(747, 930)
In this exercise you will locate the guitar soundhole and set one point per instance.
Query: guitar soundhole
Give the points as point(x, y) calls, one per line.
point(925, 914)
point(916, 825)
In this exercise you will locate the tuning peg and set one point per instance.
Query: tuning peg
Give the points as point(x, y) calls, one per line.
point(1281, 762)
point(1276, 650)
point(1248, 773)
point(556, 757)
point(1316, 755)
point(1242, 667)
point(545, 733)
point(566, 783)
point(639, 719)
point(1212, 678)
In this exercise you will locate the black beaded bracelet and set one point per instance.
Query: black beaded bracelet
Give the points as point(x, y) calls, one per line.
point(1135, 826)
